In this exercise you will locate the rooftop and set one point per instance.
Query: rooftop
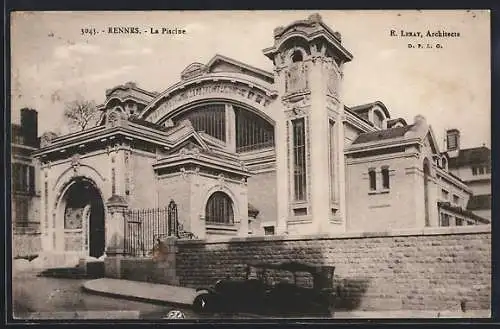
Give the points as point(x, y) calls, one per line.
point(467, 157)
point(382, 134)
point(479, 202)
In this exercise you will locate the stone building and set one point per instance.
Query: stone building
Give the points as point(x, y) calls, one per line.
point(473, 166)
point(245, 151)
point(25, 192)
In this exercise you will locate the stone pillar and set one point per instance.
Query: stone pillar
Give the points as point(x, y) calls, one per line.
point(282, 175)
point(341, 225)
point(230, 128)
point(115, 235)
point(243, 213)
point(166, 261)
point(319, 149)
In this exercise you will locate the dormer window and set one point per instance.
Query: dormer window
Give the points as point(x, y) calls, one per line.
point(378, 119)
point(444, 163)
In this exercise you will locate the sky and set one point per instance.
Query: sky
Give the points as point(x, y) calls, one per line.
point(53, 63)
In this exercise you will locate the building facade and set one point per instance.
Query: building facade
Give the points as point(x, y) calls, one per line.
point(244, 151)
point(473, 166)
point(25, 191)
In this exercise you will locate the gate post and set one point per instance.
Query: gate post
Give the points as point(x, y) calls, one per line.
point(115, 235)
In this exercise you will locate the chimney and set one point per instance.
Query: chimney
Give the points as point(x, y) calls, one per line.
point(419, 119)
point(453, 142)
point(29, 126)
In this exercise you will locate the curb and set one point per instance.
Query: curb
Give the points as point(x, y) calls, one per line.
point(93, 291)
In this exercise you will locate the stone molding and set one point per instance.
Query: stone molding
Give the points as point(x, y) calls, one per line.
point(429, 231)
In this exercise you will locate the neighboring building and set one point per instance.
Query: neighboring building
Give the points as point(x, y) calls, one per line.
point(244, 151)
point(25, 194)
point(473, 166)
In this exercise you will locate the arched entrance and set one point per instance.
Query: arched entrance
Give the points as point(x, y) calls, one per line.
point(426, 191)
point(83, 218)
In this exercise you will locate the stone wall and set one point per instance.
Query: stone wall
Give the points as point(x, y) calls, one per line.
point(426, 269)
point(27, 244)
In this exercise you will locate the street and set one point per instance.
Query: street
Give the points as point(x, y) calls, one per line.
point(54, 295)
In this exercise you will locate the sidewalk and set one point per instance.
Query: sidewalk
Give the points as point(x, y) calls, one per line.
point(166, 294)
point(141, 291)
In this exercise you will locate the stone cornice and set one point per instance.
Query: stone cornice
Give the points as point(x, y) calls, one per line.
point(428, 231)
point(129, 130)
point(355, 122)
point(455, 181)
point(397, 155)
point(381, 145)
point(201, 160)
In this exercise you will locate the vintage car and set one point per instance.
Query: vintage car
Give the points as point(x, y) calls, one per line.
point(285, 289)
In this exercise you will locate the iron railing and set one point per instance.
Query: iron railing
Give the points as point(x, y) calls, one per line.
point(144, 227)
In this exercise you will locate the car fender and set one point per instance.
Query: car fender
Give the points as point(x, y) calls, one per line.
point(200, 291)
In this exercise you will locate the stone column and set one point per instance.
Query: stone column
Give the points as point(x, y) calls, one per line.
point(115, 235)
point(318, 149)
point(230, 128)
point(282, 175)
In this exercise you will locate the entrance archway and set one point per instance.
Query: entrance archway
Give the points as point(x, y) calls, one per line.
point(83, 218)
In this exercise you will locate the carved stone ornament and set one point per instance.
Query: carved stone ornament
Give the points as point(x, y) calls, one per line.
point(46, 138)
point(222, 180)
point(75, 163)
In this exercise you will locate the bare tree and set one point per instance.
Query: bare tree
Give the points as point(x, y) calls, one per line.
point(81, 113)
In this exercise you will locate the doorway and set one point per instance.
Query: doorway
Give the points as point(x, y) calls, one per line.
point(84, 214)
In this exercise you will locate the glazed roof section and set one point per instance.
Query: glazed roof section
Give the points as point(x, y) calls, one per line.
point(479, 202)
point(462, 212)
point(391, 133)
point(472, 156)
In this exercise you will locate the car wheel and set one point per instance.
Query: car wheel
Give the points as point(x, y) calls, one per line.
point(202, 303)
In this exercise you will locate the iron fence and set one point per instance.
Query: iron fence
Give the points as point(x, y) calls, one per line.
point(144, 227)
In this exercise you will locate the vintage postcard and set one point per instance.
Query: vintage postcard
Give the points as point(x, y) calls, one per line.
point(251, 164)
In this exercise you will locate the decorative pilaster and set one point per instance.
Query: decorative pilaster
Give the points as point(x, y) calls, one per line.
point(230, 128)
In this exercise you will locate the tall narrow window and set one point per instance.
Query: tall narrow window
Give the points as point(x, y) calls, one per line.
point(299, 159)
point(31, 179)
point(445, 220)
point(474, 171)
point(219, 209)
point(113, 181)
point(385, 178)
point(373, 179)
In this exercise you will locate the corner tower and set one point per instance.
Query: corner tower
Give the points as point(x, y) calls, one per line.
point(308, 59)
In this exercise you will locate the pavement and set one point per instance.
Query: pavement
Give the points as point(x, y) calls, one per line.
point(183, 296)
point(141, 291)
point(35, 297)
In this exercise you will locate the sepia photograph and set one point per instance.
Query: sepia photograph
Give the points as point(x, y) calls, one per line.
point(291, 164)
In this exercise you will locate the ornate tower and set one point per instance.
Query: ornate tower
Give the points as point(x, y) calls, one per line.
point(308, 59)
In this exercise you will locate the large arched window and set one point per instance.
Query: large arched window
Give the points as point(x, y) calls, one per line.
point(252, 132)
point(210, 119)
point(219, 209)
